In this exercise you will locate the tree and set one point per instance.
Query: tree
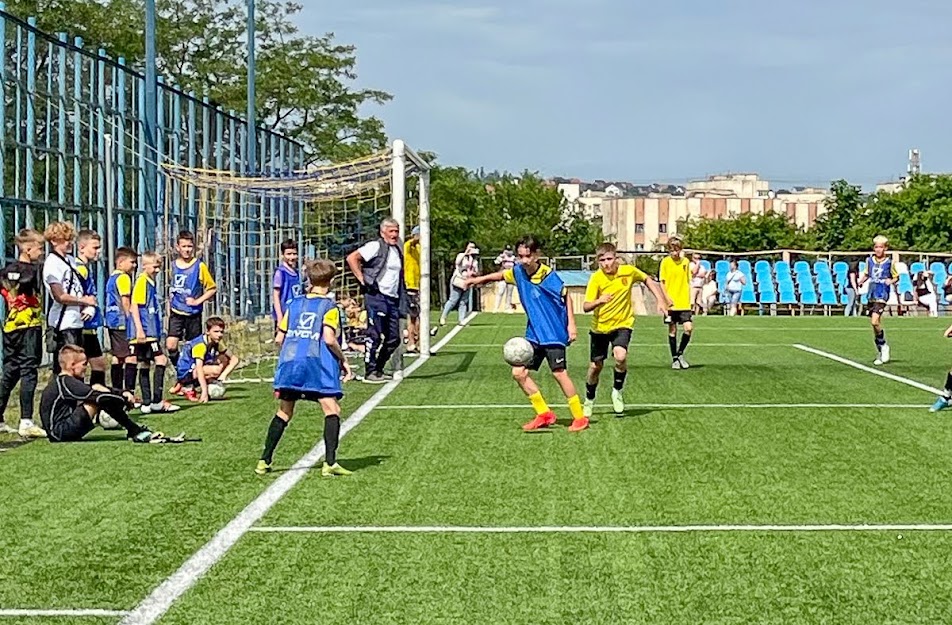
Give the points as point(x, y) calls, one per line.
point(304, 84)
point(845, 204)
point(743, 233)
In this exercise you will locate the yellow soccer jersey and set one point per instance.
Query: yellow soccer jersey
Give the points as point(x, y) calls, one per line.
point(676, 277)
point(618, 313)
point(331, 317)
point(411, 265)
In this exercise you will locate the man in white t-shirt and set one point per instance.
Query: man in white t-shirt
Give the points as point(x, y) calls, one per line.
point(70, 308)
point(698, 273)
point(378, 266)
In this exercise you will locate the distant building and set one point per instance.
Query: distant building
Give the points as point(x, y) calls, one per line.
point(729, 185)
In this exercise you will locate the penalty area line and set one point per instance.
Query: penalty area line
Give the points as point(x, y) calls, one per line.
point(867, 369)
point(597, 529)
point(82, 612)
point(154, 607)
point(658, 406)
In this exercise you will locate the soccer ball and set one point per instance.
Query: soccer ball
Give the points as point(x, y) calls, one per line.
point(108, 423)
point(216, 390)
point(517, 351)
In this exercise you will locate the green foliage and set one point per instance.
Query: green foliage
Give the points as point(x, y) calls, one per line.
point(304, 84)
point(916, 217)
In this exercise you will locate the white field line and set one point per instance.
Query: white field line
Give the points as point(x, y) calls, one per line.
point(598, 529)
point(153, 607)
point(867, 369)
point(706, 328)
point(662, 406)
point(28, 613)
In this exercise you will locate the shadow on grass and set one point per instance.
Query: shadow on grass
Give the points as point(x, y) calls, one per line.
point(351, 464)
point(465, 361)
point(632, 412)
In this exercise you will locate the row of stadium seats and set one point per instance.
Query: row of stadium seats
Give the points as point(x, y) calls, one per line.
point(819, 284)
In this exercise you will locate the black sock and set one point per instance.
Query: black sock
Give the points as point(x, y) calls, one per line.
point(590, 390)
point(116, 409)
point(97, 377)
point(673, 344)
point(880, 339)
point(174, 356)
point(685, 339)
point(275, 431)
point(145, 386)
point(331, 438)
point(948, 385)
point(620, 379)
point(129, 377)
point(115, 376)
point(158, 382)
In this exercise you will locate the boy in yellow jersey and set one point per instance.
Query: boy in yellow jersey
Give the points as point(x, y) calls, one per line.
point(191, 285)
point(675, 275)
point(550, 328)
point(411, 277)
point(90, 246)
point(608, 294)
point(144, 330)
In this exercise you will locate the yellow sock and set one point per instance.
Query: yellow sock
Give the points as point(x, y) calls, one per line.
point(538, 403)
point(575, 407)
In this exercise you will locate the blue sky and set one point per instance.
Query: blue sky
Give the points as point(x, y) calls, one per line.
point(801, 91)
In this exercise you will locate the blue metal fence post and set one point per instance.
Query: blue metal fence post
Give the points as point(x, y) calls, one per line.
point(121, 156)
point(150, 114)
point(251, 148)
point(77, 128)
point(61, 128)
point(3, 139)
point(30, 116)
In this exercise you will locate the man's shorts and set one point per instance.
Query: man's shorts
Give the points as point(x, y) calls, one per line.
point(73, 428)
point(413, 299)
point(553, 354)
point(185, 327)
point(292, 395)
point(679, 317)
point(147, 352)
point(876, 308)
point(91, 345)
point(119, 343)
point(600, 342)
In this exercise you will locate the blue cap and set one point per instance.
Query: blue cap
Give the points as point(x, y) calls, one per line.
point(415, 231)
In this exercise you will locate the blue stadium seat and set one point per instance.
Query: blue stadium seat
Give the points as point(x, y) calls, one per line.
point(744, 266)
point(748, 297)
point(821, 265)
point(841, 267)
point(864, 299)
point(706, 264)
point(763, 287)
point(788, 297)
point(828, 298)
point(761, 266)
point(722, 267)
point(808, 299)
point(768, 297)
point(801, 266)
point(782, 265)
point(844, 300)
point(916, 267)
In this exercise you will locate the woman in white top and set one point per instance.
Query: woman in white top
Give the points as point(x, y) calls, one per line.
point(925, 292)
point(466, 266)
point(698, 273)
point(735, 284)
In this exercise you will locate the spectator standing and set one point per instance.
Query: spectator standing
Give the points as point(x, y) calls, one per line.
point(851, 288)
point(735, 284)
point(466, 266)
point(505, 261)
point(378, 267)
point(698, 273)
point(65, 287)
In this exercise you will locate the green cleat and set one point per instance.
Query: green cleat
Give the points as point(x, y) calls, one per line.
point(588, 407)
point(330, 470)
point(263, 468)
point(617, 402)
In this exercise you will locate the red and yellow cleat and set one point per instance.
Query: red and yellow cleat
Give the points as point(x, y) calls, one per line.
point(579, 424)
point(543, 420)
point(191, 394)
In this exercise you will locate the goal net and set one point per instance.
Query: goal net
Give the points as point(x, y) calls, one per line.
point(327, 210)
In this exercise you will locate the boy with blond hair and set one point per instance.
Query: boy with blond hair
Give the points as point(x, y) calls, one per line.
point(675, 277)
point(144, 332)
point(882, 273)
point(65, 287)
point(22, 330)
point(117, 318)
point(89, 245)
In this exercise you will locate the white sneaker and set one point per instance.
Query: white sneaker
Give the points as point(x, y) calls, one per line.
point(684, 363)
point(884, 354)
point(618, 403)
point(162, 406)
point(28, 429)
point(675, 364)
point(879, 359)
point(587, 408)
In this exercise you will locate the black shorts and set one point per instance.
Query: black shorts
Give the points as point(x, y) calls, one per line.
point(185, 327)
point(146, 352)
point(119, 343)
point(91, 345)
point(72, 427)
point(598, 351)
point(413, 301)
point(23, 349)
point(553, 354)
point(876, 308)
point(292, 395)
point(679, 317)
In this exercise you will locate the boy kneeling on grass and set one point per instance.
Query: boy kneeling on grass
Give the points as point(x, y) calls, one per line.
point(204, 359)
point(69, 408)
point(310, 365)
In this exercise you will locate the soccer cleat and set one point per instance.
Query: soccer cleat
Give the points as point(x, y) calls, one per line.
point(884, 354)
point(541, 421)
point(675, 363)
point(578, 424)
point(263, 468)
point(162, 406)
point(331, 470)
point(144, 436)
point(878, 361)
point(940, 404)
point(618, 403)
point(588, 407)
point(684, 363)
